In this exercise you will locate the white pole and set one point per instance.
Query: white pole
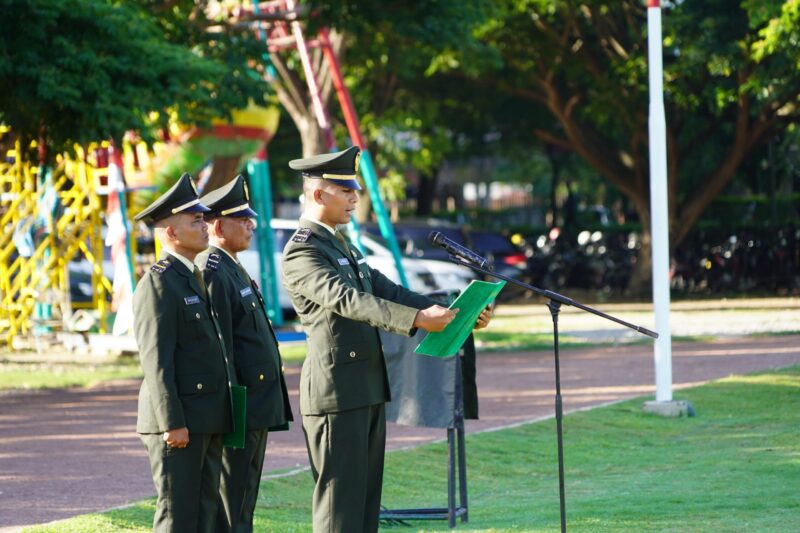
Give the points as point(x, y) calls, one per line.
point(658, 205)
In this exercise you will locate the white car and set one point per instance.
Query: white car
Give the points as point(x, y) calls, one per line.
point(435, 275)
point(423, 275)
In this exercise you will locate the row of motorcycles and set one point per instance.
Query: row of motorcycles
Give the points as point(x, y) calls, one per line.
point(749, 260)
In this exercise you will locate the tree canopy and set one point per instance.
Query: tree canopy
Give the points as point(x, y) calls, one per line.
point(86, 70)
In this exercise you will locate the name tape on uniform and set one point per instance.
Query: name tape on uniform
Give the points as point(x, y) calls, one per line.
point(247, 291)
point(189, 300)
point(343, 261)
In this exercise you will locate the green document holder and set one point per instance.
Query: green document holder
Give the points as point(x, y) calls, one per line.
point(235, 439)
point(470, 303)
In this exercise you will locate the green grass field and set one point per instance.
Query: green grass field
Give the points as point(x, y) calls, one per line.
point(514, 328)
point(17, 374)
point(735, 467)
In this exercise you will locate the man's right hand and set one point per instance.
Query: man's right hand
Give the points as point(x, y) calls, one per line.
point(434, 318)
point(177, 438)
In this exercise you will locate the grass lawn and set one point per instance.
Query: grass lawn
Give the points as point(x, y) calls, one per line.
point(514, 328)
point(17, 373)
point(733, 468)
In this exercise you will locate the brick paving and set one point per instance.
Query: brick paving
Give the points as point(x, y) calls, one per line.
point(68, 452)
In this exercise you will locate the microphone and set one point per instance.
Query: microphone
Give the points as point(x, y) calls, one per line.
point(455, 249)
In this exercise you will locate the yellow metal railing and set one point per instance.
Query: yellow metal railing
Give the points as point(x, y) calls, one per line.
point(74, 233)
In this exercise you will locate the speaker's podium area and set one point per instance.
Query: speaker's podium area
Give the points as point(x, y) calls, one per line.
point(438, 393)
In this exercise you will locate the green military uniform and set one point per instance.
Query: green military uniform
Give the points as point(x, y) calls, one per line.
point(341, 302)
point(186, 381)
point(250, 340)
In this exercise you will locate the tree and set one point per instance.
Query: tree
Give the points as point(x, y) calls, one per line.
point(732, 82)
point(390, 53)
point(74, 71)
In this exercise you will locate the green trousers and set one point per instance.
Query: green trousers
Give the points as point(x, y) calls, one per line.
point(346, 451)
point(187, 482)
point(238, 489)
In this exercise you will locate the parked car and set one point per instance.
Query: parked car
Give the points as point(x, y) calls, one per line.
point(412, 238)
point(504, 257)
point(439, 275)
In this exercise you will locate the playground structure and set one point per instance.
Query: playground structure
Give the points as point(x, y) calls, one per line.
point(52, 217)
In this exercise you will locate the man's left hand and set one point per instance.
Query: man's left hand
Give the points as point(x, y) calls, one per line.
point(484, 318)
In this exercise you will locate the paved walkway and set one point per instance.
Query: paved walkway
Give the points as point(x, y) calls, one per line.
point(67, 452)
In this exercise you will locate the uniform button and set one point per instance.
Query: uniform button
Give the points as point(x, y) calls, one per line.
point(253, 304)
point(219, 335)
point(361, 275)
point(197, 316)
point(352, 354)
point(199, 386)
point(261, 377)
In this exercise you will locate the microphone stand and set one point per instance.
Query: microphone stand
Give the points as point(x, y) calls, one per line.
point(556, 301)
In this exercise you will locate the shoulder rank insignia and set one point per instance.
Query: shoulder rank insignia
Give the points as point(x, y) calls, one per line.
point(301, 235)
point(213, 261)
point(161, 266)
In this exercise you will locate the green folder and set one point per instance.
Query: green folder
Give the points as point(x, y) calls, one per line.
point(470, 303)
point(235, 439)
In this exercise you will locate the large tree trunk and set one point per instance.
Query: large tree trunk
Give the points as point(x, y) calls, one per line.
point(223, 170)
point(640, 283)
point(426, 192)
point(294, 95)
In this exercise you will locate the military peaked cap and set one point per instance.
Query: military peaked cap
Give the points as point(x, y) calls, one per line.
point(230, 200)
point(180, 198)
point(340, 168)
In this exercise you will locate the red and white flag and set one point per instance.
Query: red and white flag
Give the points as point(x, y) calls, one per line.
point(117, 239)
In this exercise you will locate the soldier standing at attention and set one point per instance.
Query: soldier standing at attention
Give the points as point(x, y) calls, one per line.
point(185, 400)
point(251, 342)
point(341, 303)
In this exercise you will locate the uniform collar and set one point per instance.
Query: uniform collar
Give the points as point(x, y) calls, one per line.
point(325, 234)
point(319, 223)
point(226, 252)
point(188, 264)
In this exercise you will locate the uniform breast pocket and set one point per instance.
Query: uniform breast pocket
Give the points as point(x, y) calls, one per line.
point(347, 274)
point(251, 309)
point(364, 275)
point(197, 320)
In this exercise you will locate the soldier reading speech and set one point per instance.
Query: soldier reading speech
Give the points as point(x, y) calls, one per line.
point(341, 302)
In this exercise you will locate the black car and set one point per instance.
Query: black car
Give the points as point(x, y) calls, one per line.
point(504, 257)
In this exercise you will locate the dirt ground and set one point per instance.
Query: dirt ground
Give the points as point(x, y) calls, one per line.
point(67, 452)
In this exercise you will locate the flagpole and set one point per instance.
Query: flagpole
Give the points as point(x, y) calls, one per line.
point(659, 221)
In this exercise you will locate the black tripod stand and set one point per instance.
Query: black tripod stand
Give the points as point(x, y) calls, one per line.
point(554, 305)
